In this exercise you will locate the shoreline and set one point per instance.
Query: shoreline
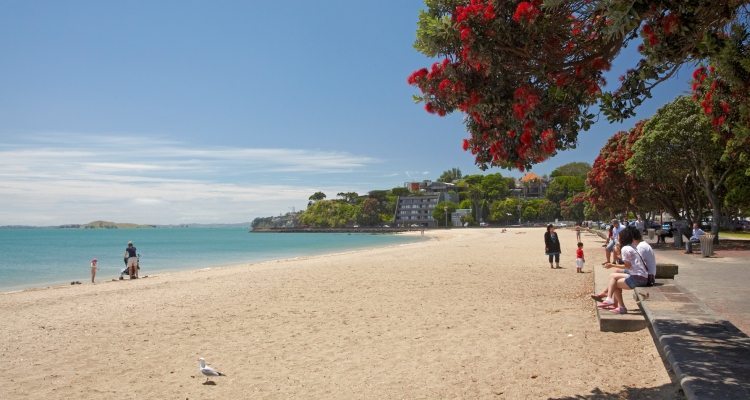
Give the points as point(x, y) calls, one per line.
point(160, 272)
point(456, 316)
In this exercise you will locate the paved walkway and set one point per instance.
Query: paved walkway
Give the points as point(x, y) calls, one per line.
point(721, 282)
point(700, 321)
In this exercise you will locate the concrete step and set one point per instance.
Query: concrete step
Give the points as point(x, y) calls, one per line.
point(609, 322)
point(634, 320)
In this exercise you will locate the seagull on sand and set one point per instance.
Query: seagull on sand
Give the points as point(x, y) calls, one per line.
point(207, 371)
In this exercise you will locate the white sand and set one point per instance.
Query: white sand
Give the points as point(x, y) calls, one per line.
point(472, 313)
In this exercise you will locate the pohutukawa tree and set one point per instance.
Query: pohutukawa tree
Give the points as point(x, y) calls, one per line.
point(611, 188)
point(525, 73)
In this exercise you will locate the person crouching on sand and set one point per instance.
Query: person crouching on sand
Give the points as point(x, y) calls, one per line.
point(93, 270)
point(132, 255)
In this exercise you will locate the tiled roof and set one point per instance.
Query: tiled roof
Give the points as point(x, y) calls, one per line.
point(530, 177)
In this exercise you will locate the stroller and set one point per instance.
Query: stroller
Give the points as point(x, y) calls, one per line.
point(126, 270)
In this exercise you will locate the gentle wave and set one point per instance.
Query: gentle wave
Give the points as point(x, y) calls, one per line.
point(42, 256)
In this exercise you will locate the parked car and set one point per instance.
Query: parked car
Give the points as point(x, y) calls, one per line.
point(667, 228)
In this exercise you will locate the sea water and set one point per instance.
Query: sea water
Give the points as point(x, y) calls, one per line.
point(47, 256)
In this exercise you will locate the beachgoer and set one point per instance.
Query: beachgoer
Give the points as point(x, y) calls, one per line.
point(695, 238)
point(634, 266)
point(578, 232)
point(640, 225)
point(617, 254)
point(580, 260)
point(616, 228)
point(644, 250)
point(646, 253)
point(552, 246)
point(132, 255)
point(93, 270)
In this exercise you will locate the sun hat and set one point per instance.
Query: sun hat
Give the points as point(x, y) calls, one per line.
point(94, 260)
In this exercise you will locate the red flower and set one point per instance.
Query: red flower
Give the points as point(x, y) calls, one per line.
point(724, 106)
point(489, 12)
point(699, 74)
point(669, 23)
point(444, 84)
point(465, 144)
point(526, 137)
point(600, 64)
point(525, 11)
point(417, 75)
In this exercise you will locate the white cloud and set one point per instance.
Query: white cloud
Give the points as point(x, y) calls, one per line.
point(49, 181)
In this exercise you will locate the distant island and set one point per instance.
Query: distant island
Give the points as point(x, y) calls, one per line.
point(109, 225)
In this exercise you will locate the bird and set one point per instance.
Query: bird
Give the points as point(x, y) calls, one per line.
point(207, 370)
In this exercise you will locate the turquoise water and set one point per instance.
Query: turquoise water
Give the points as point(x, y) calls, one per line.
point(38, 257)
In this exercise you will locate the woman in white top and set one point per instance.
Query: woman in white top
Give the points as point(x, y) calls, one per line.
point(634, 268)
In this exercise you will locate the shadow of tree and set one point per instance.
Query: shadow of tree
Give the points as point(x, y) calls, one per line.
point(663, 392)
point(712, 359)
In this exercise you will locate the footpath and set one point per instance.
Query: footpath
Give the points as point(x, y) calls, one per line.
point(699, 320)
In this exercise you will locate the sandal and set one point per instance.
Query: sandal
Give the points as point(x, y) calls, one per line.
point(619, 310)
point(606, 304)
point(597, 297)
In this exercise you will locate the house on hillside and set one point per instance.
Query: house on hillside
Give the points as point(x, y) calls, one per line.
point(530, 186)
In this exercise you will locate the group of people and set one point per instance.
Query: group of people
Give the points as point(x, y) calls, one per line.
point(634, 266)
point(132, 265)
point(630, 257)
point(552, 248)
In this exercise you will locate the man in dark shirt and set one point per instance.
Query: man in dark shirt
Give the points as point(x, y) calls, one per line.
point(132, 256)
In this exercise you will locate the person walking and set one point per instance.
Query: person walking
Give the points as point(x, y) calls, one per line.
point(93, 270)
point(132, 255)
point(552, 246)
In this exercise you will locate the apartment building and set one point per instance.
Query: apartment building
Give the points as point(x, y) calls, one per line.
point(418, 209)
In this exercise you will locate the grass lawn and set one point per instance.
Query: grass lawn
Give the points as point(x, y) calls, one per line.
point(734, 235)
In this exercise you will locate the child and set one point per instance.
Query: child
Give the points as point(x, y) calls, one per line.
point(93, 270)
point(617, 255)
point(579, 258)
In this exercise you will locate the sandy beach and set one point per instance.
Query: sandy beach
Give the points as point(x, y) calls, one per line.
point(467, 314)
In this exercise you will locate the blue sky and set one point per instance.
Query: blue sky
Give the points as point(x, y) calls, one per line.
point(203, 112)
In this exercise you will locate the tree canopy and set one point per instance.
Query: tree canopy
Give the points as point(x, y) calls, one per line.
point(611, 188)
point(526, 73)
point(572, 169)
point(450, 175)
point(681, 136)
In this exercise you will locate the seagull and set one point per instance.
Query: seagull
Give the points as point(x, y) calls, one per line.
point(206, 370)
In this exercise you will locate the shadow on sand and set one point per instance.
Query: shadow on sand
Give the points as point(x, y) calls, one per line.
point(664, 392)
